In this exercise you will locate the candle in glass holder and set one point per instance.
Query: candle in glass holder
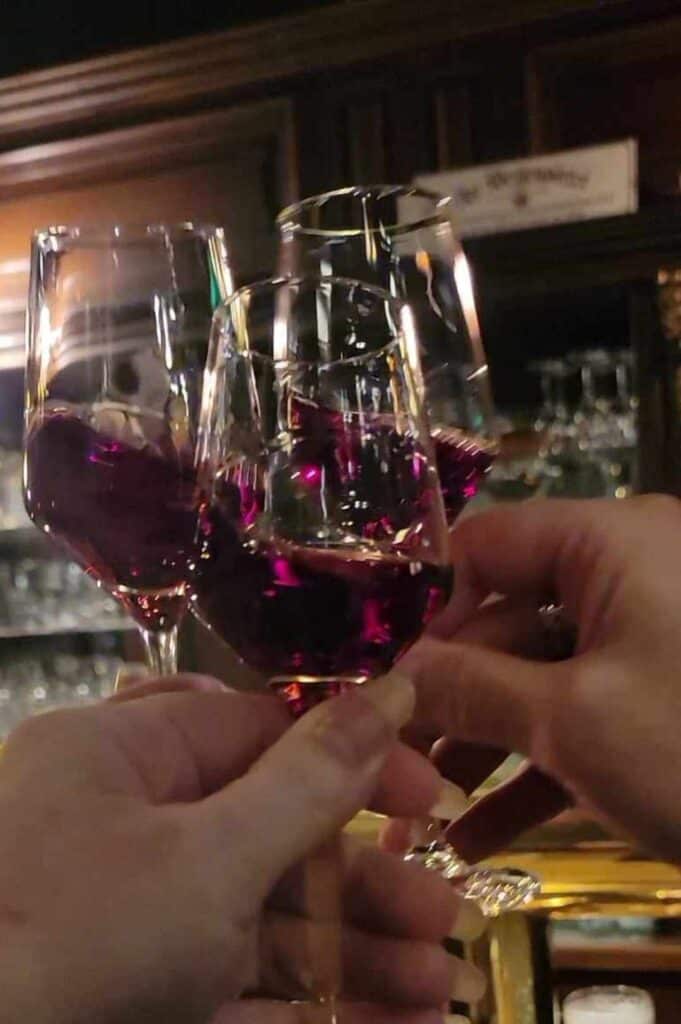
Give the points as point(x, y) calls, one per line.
point(609, 1004)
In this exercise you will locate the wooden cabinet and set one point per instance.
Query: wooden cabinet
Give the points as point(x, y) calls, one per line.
point(611, 86)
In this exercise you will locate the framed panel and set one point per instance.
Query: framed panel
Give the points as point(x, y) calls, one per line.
point(234, 168)
point(609, 86)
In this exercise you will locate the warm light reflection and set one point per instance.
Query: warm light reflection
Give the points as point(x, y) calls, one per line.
point(422, 260)
point(411, 349)
point(219, 265)
point(163, 313)
point(48, 340)
point(323, 300)
point(464, 286)
point(370, 250)
point(9, 267)
point(280, 329)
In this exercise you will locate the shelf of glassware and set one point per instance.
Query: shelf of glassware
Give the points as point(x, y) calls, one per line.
point(42, 594)
point(57, 629)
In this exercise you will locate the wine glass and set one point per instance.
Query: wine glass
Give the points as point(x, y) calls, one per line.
point(402, 239)
point(605, 419)
point(322, 537)
point(322, 547)
point(118, 327)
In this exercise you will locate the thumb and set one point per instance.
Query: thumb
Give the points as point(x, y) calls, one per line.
point(480, 695)
point(313, 779)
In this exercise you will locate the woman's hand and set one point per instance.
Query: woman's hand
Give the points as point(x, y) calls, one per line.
point(601, 727)
point(150, 860)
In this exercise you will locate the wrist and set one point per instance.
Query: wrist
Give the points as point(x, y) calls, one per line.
point(23, 994)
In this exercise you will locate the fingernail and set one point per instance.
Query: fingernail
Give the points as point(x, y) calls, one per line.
point(470, 922)
point(451, 803)
point(467, 982)
point(393, 695)
point(130, 673)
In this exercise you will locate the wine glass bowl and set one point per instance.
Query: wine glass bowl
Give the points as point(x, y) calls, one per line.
point(117, 334)
point(322, 538)
point(402, 239)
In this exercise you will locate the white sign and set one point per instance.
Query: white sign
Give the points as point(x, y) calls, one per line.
point(576, 184)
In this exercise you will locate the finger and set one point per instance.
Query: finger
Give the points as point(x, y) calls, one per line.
point(312, 781)
point(482, 696)
point(263, 1011)
point(511, 626)
point(396, 838)
point(398, 835)
point(408, 784)
point(168, 747)
point(400, 899)
point(539, 550)
point(381, 968)
point(131, 687)
point(525, 801)
point(381, 894)
point(503, 626)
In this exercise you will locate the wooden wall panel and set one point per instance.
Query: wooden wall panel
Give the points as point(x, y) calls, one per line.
point(234, 168)
point(609, 86)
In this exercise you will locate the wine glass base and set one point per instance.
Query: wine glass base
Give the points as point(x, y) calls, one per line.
point(495, 890)
point(302, 693)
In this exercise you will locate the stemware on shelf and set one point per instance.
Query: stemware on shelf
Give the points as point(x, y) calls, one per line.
point(402, 239)
point(35, 680)
point(118, 327)
point(553, 420)
point(605, 419)
point(568, 431)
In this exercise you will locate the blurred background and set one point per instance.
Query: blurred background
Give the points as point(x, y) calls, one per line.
point(193, 112)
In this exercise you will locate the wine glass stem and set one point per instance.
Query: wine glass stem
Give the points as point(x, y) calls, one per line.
point(160, 648)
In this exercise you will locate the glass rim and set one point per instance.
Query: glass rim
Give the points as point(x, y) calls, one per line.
point(133, 231)
point(625, 990)
point(274, 283)
point(289, 217)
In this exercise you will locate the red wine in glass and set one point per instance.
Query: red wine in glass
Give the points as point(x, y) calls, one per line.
point(462, 464)
point(300, 611)
point(322, 549)
point(402, 238)
point(117, 328)
point(113, 487)
point(462, 460)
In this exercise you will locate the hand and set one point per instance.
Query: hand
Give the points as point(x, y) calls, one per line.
point(149, 852)
point(603, 725)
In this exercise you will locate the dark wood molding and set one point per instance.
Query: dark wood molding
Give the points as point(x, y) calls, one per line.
point(139, 152)
point(599, 252)
point(617, 61)
point(453, 115)
point(179, 76)
point(611, 51)
point(150, 147)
